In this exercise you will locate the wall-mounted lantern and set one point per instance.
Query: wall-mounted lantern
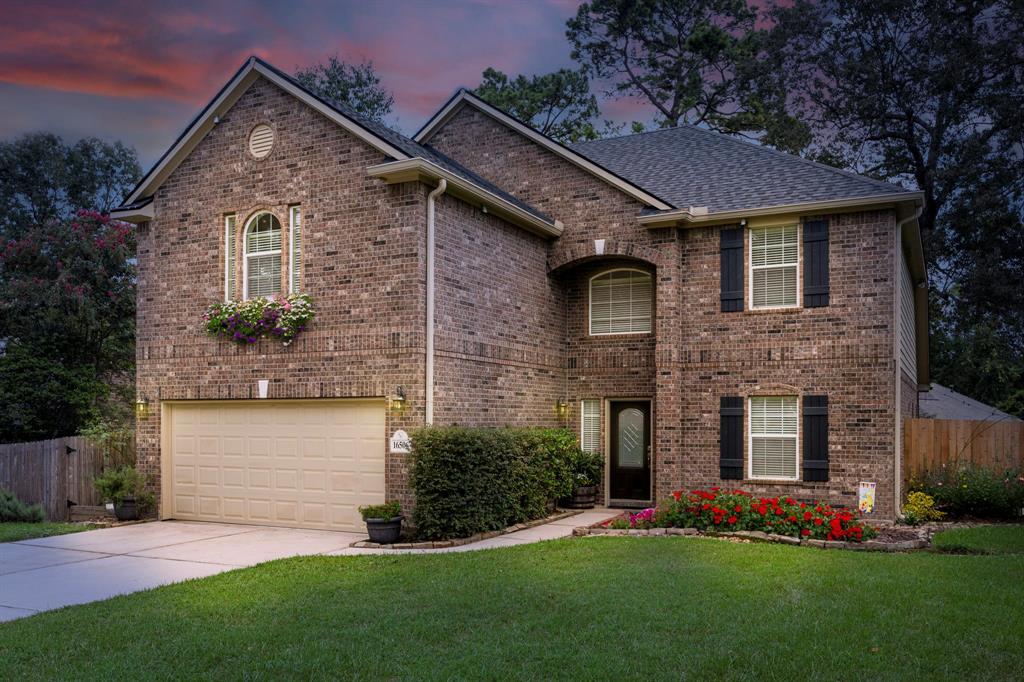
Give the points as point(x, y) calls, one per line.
point(397, 401)
point(562, 408)
point(141, 407)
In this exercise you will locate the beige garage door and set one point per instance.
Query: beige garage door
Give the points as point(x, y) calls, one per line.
point(307, 464)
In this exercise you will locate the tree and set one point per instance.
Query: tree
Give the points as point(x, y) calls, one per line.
point(928, 93)
point(356, 85)
point(693, 60)
point(42, 179)
point(558, 104)
point(67, 315)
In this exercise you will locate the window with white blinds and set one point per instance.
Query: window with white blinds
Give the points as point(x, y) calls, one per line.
point(295, 248)
point(620, 302)
point(229, 257)
point(774, 429)
point(262, 256)
point(590, 425)
point(774, 266)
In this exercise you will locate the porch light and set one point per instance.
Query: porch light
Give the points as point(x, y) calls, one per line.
point(141, 407)
point(562, 408)
point(397, 401)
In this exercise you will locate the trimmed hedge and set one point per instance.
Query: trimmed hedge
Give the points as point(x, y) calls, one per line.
point(474, 480)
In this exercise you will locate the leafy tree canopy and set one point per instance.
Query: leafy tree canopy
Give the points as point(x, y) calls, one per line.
point(558, 104)
point(356, 85)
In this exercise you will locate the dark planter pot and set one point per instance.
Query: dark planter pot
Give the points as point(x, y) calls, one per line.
point(583, 497)
point(384, 531)
point(126, 510)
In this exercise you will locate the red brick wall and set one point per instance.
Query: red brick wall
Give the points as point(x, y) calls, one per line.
point(697, 353)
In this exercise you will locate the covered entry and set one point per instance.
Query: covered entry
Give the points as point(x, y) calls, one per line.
point(301, 463)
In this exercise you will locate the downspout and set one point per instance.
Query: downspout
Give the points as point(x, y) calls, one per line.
point(442, 185)
point(897, 480)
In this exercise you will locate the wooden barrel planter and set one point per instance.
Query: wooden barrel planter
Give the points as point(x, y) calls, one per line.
point(583, 497)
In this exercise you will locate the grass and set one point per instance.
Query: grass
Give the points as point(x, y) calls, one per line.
point(1008, 539)
point(11, 531)
point(594, 608)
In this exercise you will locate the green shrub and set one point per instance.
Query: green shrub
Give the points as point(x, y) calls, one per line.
point(386, 511)
point(13, 509)
point(920, 508)
point(586, 468)
point(973, 490)
point(474, 480)
point(116, 484)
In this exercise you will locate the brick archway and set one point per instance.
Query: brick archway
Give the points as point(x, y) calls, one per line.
point(574, 254)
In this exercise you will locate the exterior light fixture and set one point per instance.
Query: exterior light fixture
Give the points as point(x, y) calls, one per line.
point(562, 408)
point(141, 407)
point(398, 399)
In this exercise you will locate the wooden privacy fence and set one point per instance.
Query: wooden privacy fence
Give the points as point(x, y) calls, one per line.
point(930, 443)
point(54, 473)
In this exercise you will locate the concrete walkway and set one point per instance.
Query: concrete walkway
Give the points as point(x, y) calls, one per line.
point(48, 573)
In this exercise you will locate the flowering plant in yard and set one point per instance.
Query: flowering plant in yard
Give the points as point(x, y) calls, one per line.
point(732, 510)
point(245, 322)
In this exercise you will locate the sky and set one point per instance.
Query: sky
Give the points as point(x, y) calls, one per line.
point(139, 71)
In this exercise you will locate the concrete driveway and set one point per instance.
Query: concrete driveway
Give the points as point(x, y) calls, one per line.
point(47, 573)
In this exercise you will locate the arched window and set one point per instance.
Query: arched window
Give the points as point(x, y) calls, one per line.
point(620, 302)
point(262, 275)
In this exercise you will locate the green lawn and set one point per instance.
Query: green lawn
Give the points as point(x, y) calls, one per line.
point(594, 608)
point(1007, 539)
point(12, 532)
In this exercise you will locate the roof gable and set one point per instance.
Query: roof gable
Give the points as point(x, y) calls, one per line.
point(463, 98)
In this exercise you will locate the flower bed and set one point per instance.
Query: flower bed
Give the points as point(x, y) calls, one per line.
point(731, 511)
point(245, 322)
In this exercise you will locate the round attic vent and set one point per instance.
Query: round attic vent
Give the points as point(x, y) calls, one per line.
point(261, 140)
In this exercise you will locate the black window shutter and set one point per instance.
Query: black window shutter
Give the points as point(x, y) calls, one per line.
point(815, 263)
point(731, 438)
point(815, 438)
point(732, 269)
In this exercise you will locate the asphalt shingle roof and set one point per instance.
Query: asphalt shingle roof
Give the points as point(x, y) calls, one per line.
point(689, 166)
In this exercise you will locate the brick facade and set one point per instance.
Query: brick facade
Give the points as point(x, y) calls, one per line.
point(511, 307)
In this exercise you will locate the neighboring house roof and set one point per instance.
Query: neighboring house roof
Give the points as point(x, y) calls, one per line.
point(689, 166)
point(390, 142)
point(944, 403)
point(464, 97)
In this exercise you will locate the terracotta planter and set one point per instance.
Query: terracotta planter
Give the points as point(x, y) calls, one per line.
point(583, 497)
point(384, 531)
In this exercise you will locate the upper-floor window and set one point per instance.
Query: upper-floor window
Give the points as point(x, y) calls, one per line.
point(620, 302)
point(773, 437)
point(774, 266)
point(229, 257)
point(262, 267)
point(295, 248)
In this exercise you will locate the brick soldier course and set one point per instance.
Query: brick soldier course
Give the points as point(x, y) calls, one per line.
point(511, 337)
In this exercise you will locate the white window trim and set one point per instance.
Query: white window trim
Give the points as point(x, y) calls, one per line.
point(247, 256)
point(293, 286)
point(590, 303)
point(228, 270)
point(798, 265)
point(750, 438)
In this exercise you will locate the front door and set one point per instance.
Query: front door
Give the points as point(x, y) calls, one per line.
point(630, 466)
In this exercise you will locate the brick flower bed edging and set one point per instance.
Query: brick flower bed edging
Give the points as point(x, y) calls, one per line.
point(758, 536)
point(456, 542)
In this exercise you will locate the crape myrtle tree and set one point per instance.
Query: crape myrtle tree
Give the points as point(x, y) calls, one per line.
point(67, 287)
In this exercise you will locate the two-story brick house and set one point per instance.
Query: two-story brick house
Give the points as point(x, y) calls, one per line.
point(701, 310)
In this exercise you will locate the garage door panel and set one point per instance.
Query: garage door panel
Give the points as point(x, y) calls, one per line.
point(300, 463)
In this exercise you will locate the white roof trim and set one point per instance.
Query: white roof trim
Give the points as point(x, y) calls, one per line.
point(135, 215)
point(202, 125)
point(695, 216)
point(418, 168)
point(463, 97)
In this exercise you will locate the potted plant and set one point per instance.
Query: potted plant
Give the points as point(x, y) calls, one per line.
point(125, 487)
point(586, 474)
point(383, 522)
